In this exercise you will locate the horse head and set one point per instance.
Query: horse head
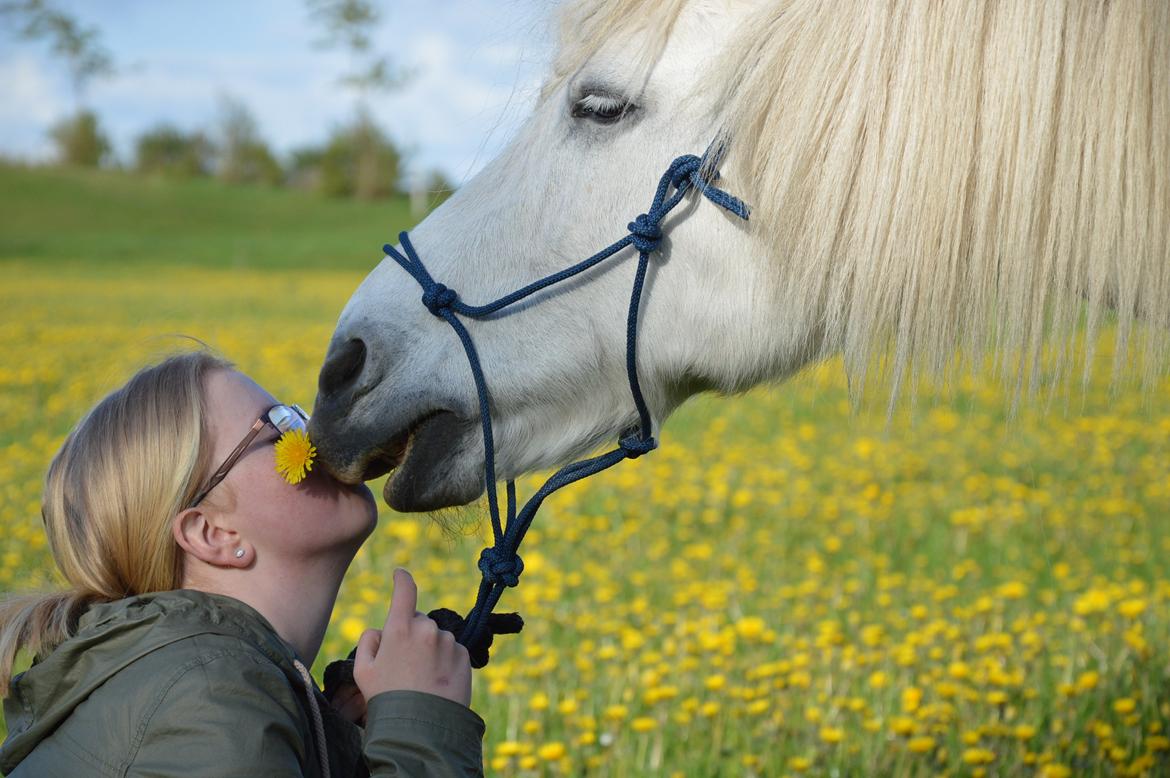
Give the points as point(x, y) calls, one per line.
point(396, 391)
point(920, 173)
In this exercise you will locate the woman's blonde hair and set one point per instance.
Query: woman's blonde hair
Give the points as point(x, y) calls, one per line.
point(125, 470)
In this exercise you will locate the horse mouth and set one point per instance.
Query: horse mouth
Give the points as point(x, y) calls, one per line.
point(415, 458)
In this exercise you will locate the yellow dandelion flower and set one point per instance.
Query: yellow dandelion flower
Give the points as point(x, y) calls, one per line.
point(1012, 590)
point(352, 629)
point(832, 735)
point(615, 712)
point(1053, 770)
point(550, 752)
point(978, 756)
point(643, 724)
point(799, 763)
point(959, 670)
point(902, 725)
point(923, 744)
point(294, 455)
point(1087, 680)
point(756, 707)
point(1132, 608)
point(1124, 705)
point(750, 627)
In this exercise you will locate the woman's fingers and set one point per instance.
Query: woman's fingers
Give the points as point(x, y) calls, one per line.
point(404, 601)
point(367, 647)
point(353, 708)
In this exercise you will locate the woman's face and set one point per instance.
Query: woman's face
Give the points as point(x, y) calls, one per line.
point(316, 515)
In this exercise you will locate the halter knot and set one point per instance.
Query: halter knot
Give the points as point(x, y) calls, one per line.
point(439, 298)
point(646, 233)
point(498, 567)
point(683, 171)
point(635, 446)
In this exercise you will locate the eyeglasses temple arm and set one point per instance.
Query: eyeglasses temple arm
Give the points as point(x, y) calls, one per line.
point(222, 472)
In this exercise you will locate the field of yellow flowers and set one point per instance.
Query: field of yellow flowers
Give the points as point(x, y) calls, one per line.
point(785, 587)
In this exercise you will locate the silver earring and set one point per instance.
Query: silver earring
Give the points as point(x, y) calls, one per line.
point(239, 553)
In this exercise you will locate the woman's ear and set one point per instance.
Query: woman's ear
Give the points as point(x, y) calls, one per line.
point(200, 535)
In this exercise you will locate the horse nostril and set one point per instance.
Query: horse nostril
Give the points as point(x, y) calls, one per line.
point(342, 366)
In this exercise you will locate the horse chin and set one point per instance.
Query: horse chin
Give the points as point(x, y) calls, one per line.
point(431, 473)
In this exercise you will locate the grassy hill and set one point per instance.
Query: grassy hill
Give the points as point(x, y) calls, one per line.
point(104, 219)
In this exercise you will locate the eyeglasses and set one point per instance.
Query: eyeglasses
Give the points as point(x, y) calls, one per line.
point(282, 418)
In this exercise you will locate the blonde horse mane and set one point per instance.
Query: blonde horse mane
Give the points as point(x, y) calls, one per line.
point(967, 176)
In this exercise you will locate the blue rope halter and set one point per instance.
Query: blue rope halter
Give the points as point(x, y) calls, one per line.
point(499, 564)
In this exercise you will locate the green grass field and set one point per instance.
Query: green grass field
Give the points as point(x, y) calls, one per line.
point(785, 587)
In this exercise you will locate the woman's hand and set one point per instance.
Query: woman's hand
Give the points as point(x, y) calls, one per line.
point(411, 653)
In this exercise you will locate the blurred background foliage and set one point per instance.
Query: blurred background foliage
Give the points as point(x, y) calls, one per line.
point(356, 159)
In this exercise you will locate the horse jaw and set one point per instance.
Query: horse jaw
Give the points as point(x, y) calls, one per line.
point(555, 365)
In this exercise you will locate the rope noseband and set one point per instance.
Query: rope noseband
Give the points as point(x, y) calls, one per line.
point(500, 564)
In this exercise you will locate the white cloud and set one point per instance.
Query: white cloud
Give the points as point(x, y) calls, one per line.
point(30, 101)
point(28, 92)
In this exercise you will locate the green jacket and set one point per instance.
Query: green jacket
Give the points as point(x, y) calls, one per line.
point(185, 683)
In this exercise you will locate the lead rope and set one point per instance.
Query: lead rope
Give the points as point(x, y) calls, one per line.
point(500, 564)
point(318, 724)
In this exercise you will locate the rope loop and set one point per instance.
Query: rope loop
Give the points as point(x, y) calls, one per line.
point(646, 233)
point(439, 298)
point(500, 567)
point(635, 446)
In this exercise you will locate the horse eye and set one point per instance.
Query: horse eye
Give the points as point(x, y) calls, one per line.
point(602, 108)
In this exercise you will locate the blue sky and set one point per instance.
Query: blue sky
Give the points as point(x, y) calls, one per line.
point(477, 63)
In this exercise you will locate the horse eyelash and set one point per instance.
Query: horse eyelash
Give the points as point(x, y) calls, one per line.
point(592, 104)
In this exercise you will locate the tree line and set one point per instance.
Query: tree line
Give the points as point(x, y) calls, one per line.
point(357, 159)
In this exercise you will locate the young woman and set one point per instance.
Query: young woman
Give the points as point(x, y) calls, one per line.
point(201, 586)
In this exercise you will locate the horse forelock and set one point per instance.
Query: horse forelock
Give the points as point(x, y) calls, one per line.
point(943, 177)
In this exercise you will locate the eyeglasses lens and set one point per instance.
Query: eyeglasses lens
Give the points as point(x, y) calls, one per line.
point(288, 417)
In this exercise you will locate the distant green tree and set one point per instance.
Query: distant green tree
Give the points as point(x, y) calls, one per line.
point(359, 161)
point(168, 150)
point(79, 138)
point(244, 157)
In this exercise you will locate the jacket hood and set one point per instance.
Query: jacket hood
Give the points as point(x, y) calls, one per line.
point(111, 636)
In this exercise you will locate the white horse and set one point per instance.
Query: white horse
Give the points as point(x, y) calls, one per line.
point(935, 175)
